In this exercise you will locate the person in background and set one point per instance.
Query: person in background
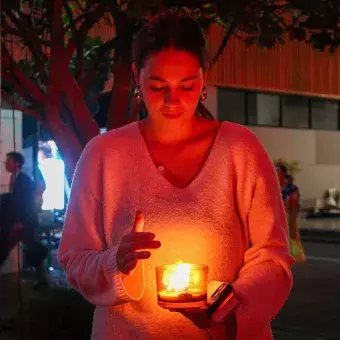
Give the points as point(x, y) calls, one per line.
point(174, 186)
point(291, 197)
point(20, 219)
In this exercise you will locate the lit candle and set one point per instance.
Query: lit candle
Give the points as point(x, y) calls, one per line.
point(182, 285)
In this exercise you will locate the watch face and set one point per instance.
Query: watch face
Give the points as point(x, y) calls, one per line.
point(218, 291)
point(219, 295)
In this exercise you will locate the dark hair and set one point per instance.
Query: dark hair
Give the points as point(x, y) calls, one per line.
point(17, 158)
point(170, 29)
point(282, 168)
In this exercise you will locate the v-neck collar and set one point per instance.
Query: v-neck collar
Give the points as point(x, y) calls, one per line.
point(153, 166)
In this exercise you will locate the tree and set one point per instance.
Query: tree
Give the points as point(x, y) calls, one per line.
point(66, 65)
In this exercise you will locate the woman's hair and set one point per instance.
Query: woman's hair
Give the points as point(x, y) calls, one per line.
point(170, 29)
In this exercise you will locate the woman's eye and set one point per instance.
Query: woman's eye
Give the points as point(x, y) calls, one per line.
point(187, 88)
point(157, 88)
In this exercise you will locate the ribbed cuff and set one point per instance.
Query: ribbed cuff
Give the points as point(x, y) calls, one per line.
point(122, 292)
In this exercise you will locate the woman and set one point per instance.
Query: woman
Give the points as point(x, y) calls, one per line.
point(204, 192)
point(291, 198)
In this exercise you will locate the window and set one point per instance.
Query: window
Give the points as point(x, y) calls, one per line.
point(324, 114)
point(270, 109)
point(263, 109)
point(231, 105)
point(295, 112)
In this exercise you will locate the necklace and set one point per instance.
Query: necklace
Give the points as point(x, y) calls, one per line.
point(160, 166)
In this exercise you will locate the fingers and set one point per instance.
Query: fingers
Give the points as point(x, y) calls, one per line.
point(130, 266)
point(128, 262)
point(138, 255)
point(140, 236)
point(130, 247)
point(134, 246)
point(138, 224)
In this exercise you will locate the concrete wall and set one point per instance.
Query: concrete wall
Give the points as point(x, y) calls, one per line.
point(317, 151)
point(211, 101)
point(9, 143)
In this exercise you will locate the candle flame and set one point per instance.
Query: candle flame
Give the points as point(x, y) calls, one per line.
point(178, 278)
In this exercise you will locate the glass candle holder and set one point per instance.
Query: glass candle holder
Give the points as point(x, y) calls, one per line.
point(182, 285)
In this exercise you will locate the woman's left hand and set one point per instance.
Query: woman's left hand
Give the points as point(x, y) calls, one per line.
point(197, 316)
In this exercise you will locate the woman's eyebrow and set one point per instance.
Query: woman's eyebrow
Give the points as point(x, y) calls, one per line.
point(156, 78)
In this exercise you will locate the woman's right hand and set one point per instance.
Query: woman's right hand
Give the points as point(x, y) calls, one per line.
point(135, 246)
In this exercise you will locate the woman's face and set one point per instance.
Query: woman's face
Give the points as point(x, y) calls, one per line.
point(171, 82)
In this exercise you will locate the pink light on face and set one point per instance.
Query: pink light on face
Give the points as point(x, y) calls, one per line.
point(171, 82)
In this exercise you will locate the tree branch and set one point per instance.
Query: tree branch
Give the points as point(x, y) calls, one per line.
point(89, 20)
point(85, 82)
point(19, 107)
point(29, 35)
point(18, 87)
point(81, 113)
point(228, 33)
point(70, 17)
point(87, 79)
point(79, 5)
point(34, 90)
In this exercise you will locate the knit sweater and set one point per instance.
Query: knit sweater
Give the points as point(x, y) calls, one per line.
point(230, 217)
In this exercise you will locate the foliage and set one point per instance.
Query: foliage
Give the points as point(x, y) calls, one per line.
point(62, 61)
point(263, 22)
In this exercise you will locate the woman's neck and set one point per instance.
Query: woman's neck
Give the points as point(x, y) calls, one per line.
point(164, 133)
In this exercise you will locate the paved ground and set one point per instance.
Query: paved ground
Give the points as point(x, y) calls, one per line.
point(313, 309)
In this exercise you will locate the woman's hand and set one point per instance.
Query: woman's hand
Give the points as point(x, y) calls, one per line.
point(197, 316)
point(217, 331)
point(134, 246)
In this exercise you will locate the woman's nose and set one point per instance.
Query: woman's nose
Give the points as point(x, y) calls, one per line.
point(171, 97)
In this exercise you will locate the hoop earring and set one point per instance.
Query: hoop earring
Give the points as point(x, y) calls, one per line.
point(204, 94)
point(138, 94)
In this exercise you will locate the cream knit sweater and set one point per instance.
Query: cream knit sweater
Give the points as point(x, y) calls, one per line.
point(231, 217)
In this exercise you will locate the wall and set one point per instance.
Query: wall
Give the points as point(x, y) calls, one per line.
point(7, 143)
point(317, 151)
point(211, 101)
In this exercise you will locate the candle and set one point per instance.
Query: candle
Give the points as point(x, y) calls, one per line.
point(182, 285)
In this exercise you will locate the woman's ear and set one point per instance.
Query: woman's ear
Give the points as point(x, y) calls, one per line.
point(135, 73)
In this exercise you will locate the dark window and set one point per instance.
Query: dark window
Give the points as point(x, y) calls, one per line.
point(231, 105)
point(263, 109)
point(295, 112)
point(324, 114)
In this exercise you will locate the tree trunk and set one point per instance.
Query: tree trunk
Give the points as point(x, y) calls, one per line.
point(82, 116)
point(117, 112)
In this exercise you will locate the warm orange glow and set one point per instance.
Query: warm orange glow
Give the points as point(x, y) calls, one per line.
point(182, 283)
point(180, 278)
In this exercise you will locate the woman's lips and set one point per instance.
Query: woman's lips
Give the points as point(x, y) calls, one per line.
point(172, 115)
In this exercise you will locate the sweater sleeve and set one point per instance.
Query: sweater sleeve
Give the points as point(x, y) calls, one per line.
point(90, 265)
point(265, 280)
